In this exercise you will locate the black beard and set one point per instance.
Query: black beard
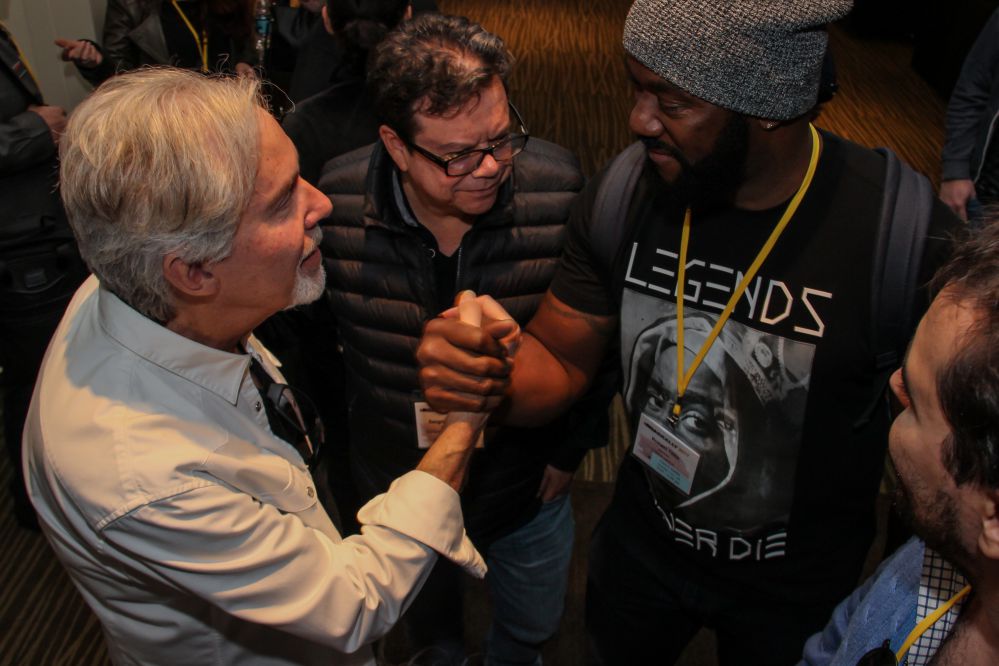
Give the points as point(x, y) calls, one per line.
point(712, 182)
point(939, 530)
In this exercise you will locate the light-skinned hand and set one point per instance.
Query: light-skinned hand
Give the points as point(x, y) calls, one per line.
point(81, 52)
point(54, 117)
point(956, 194)
point(554, 483)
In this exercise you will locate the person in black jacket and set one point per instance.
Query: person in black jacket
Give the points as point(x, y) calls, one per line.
point(970, 160)
point(455, 196)
point(318, 53)
point(340, 119)
point(39, 265)
point(207, 35)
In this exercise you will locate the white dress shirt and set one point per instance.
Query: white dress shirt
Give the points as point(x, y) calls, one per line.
point(194, 533)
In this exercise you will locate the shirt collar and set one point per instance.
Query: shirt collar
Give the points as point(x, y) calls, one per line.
point(939, 580)
point(401, 202)
point(217, 371)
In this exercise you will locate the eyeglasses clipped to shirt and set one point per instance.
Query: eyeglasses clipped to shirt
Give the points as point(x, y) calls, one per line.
point(291, 414)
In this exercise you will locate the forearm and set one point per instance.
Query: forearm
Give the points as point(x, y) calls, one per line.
point(963, 128)
point(25, 140)
point(448, 458)
point(561, 353)
point(969, 103)
point(541, 388)
point(451, 452)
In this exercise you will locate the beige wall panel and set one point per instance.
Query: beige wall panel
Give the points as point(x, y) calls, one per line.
point(36, 23)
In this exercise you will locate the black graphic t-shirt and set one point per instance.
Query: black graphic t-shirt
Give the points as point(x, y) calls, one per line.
point(766, 477)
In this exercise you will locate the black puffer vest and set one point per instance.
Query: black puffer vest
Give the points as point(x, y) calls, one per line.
point(382, 287)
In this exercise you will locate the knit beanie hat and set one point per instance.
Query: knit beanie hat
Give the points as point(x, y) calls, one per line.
point(762, 58)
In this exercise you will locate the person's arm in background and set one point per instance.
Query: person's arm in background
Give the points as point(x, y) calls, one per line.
point(118, 50)
point(29, 133)
point(88, 58)
point(966, 117)
point(555, 482)
point(30, 137)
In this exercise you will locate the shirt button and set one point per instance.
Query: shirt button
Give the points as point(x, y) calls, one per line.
point(310, 492)
point(257, 406)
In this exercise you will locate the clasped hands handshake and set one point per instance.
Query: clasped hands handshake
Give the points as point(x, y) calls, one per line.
point(466, 356)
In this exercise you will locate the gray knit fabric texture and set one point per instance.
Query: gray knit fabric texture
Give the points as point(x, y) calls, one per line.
point(762, 58)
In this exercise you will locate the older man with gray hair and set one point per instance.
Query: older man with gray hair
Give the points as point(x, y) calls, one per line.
point(167, 460)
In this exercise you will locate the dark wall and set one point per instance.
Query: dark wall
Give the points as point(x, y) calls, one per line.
point(941, 32)
point(945, 32)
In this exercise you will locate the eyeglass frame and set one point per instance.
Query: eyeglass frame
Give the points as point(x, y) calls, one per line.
point(445, 162)
point(316, 435)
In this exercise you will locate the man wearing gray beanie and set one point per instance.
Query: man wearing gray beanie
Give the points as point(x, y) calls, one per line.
point(746, 503)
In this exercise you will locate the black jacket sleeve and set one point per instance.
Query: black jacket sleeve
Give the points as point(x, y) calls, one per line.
point(967, 111)
point(25, 140)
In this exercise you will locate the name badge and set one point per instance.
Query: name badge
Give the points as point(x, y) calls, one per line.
point(429, 425)
point(665, 454)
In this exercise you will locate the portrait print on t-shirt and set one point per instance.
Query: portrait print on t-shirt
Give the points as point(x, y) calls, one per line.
point(722, 470)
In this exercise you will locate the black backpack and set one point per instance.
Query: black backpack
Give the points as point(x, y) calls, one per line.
point(905, 218)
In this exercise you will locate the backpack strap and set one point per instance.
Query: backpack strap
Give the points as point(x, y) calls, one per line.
point(610, 207)
point(905, 219)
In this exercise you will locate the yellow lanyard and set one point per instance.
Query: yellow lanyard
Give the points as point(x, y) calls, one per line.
point(201, 41)
point(683, 378)
point(928, 622)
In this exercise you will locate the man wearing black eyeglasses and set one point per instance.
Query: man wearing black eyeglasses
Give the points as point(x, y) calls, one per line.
point(934, 601)
point(167, 461)
point(455, 195)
